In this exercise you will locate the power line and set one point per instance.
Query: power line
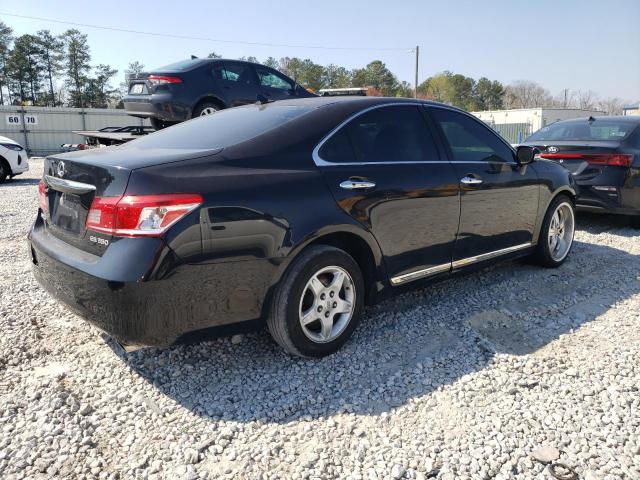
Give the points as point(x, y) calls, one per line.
point(203, 39)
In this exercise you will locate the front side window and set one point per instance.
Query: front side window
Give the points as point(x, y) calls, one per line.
point(469, 140)
point(385, 134)
point(271, 79)
point(234, 72)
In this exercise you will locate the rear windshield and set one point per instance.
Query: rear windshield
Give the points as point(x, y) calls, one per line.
point(223, 128)
point(181, 66)
point(596, 130)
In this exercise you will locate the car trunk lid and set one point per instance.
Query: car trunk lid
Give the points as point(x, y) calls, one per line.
point(582, 159)
point(74, 179)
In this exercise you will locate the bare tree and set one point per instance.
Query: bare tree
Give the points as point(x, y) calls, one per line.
point(527, 94)
point(611, 105)
point(586, 99)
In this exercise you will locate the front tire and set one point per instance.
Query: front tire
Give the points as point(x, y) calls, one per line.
point(318, 302)
point(556, 234)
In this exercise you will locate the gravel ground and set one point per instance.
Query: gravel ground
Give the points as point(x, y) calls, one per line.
point(465, 379)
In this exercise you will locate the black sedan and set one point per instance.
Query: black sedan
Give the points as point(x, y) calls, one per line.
point(603, 155)
point(202, 86)
point(294, 213)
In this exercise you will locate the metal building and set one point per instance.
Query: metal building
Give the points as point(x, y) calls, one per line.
point(42, 130)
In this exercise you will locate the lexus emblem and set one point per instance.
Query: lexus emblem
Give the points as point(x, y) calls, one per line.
point(60, 169)
point(552, 149)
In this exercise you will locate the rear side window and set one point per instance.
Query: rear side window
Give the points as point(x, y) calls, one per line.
point(595, 130)
point(469, 140)
point(234, 72)
point(222, 129)
point(273, 80)
point(385, 134)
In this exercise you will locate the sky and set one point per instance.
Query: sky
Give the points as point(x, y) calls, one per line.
point(573, 44)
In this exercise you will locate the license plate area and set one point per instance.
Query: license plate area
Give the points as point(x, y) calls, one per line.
point(137, 89)
point(68, 212)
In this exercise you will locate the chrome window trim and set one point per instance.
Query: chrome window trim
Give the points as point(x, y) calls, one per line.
point(320, 162)
point(409, 277)
point(68, 186)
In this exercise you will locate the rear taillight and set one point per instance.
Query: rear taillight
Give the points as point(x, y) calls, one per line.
point(164, 79)
point(140, 215)
point(43, 201)
point(610, 159)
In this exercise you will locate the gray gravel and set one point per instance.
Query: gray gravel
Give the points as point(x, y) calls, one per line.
point(466, 379)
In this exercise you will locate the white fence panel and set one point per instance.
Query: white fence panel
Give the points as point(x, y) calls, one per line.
point(42, 130)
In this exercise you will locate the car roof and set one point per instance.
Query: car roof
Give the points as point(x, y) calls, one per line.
point(357, 101)
point(617, 118)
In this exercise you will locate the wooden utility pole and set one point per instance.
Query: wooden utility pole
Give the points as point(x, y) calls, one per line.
point(415, 93)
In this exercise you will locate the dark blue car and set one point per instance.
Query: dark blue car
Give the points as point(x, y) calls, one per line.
point(201, 86)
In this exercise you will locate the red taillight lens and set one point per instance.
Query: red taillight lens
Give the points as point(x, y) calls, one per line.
point(43, 201)
point(140, 215)
point(611, 159)
point(163, 79)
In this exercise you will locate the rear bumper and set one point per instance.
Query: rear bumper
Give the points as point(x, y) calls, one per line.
point(141, 294)
point(160, 106)
point(622, 200)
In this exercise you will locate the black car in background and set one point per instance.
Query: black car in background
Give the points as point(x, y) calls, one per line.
point(603, 155)
point(201, 86)
point(293, 213)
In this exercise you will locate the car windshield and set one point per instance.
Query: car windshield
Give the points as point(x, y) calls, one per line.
point(595, 130)
point(223, 128)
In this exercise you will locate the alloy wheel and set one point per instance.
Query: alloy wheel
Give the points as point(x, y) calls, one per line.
point(561, 231)
point(208, 111)
point(327, 304)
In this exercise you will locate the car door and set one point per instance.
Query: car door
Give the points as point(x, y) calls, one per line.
point(386, 171)
point(499, 197)
point(274, 85)
point(238, 82)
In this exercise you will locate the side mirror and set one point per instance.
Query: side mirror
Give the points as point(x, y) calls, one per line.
point(526, 154)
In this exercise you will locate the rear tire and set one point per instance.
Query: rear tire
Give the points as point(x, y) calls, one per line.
point(556, 234)
point(4, 171)
point(206, 108)
point(318, 302)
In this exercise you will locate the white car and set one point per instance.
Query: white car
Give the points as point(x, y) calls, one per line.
point(13, 159)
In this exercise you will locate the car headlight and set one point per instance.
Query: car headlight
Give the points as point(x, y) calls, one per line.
point(12, 146)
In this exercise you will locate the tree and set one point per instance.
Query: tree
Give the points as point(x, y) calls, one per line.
point(527, 94)
point(214, 55)
point(271, 62)
point(6, 38)
point(134, 69)
point(489, 95)
point(23, 69)
point(376, 75)
point(51, 56)
point(453, 89)
point(586, 99)
point(249, 59)
point(77, 65)
point(334, 76)
point(611, 105)
point(99, 92)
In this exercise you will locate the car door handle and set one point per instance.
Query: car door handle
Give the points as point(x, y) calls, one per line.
point(357, 184)
point(467, 180)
